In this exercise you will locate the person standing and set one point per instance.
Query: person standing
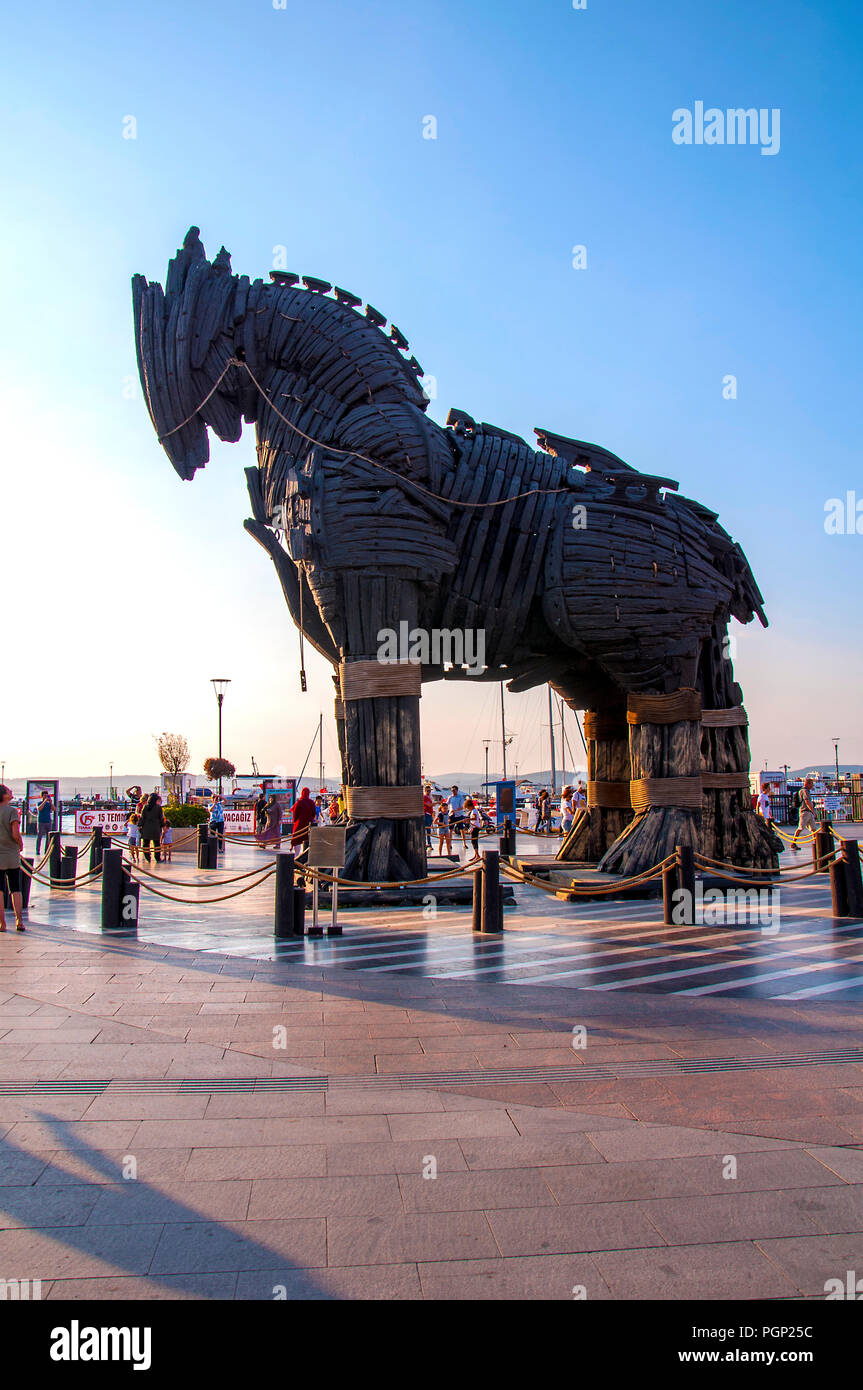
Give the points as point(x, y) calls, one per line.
point(217, 821)
point(271, 830)
point(428, 814)
point(150, 823)
point(455, 802)
point(133, 835)
point(442, 826)
point(303, 815)
point(474, 823)
point(260, 813)
point(11, 845)
point(167, 841)
point(806, 819)
point(44, 820)
point(764, 805)
point(567, 810)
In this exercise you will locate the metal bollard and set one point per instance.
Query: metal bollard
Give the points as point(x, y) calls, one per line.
point(686, 879)
point(822, 846)
point(203, 852)
point(284, 896)
point(839, 888)
point(96, 848)
point(26, 881)
point(299, 910)
point(476, 902)
point(491, 895)
point(213, 852)
point(55, 865)
point(69, 864)
point(853, 880)
point(113, 885)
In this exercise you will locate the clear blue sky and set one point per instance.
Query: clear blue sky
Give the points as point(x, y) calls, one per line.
point(303, 127)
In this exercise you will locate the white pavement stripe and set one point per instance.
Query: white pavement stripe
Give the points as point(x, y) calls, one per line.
point(778, 975)
point(595, 969)
point(727, 965)
point(849, 983)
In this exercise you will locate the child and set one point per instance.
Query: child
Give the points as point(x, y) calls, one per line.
point(134, 835)
point(441, 821)
point(475, 822)
point(167, 839)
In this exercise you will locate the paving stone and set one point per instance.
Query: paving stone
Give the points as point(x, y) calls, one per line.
point(476, 1191)
point(376, 1195)
point(189, 1247)
point(401, 1156)
point(418, 1236)
point(571, 1229)
point(547, 1277)
point(730, 1270)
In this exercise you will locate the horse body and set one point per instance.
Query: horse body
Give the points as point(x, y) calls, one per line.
point(577, 570)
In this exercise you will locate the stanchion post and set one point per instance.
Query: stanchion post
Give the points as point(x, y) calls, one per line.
point(853, 880)
point(55, 860)
point(491, 916)
point(670, 884)
point(822, 844)
point(284, 904)
point(213, 852)
point(69, 864)
point(839, 888)
point(315, 929)
point(96, 848)
point(334, 929)
point(476, 905)
point(26, 882)
point(112, 889)
point(299, 910)
point(203, 852)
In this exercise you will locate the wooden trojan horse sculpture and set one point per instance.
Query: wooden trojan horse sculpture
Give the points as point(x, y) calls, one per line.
point(563, 564)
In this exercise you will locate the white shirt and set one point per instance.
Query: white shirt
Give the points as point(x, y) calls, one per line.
point(455, 801)
point(764, 805)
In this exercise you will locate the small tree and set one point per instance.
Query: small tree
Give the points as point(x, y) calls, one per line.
point(173, 755)
point(217, 768)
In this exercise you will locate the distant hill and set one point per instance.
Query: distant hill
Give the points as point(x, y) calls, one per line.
point(828, 769)
point(473, 781)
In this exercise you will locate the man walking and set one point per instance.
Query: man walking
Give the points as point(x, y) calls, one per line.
point(806, 820)
point(455, 802)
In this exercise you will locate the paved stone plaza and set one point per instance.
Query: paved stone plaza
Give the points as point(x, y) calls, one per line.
point(193, 1112)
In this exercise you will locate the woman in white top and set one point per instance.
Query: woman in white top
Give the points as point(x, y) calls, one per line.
point(566, 810)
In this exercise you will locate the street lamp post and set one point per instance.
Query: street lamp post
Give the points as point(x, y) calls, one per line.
point(111, 782)
point(836, 752)
point(220, 685)
point(486, 741)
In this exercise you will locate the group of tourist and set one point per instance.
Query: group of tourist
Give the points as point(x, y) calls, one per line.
point(454, 814)
point(148, 831)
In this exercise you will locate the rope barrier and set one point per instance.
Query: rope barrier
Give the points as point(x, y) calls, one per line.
point(202, 902)
point(580, 885)
point(190, 882)
point(470, 866)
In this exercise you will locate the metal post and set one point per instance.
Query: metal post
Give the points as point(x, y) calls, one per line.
point(26, 882)
point(491, 915)
point(284, 904)
point(476, 902)
point(69, 864)
point(96, 848)
point(55, 866)
point(315, 929)
point(822, 846)
point(334, 929)
point(853, 880)
point(112, 889)
point(203, 851)
point(299, 910)
point(839, 889)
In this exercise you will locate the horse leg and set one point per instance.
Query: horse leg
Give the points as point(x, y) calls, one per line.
point(595, 829)
point(731, 831)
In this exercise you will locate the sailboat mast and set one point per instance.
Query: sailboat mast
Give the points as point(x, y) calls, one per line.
point(551, 739)
point(321, 750)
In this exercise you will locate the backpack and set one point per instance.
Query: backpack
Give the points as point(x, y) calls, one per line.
point(795, 801)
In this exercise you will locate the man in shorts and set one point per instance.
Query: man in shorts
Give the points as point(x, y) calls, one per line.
point(806, 820)
point(457, 818)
